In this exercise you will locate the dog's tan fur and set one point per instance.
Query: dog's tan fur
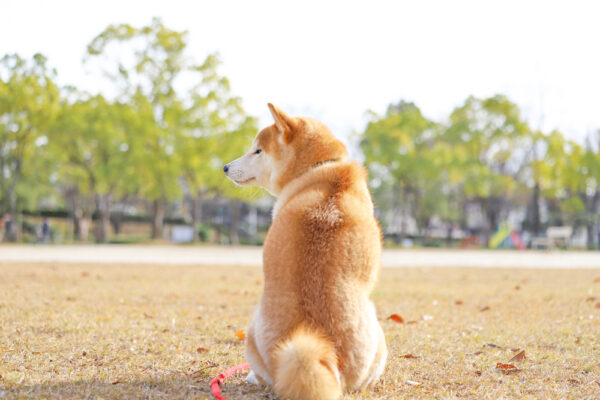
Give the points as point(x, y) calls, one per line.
point(315, 334)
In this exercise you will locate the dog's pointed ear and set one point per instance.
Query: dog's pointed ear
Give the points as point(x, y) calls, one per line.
point(284, 123)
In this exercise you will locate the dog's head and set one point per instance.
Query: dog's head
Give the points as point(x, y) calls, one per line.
point(284, 151)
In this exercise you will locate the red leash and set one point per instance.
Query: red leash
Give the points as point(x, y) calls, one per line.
point(214, 384)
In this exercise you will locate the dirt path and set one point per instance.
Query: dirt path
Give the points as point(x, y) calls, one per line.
point(252, 256)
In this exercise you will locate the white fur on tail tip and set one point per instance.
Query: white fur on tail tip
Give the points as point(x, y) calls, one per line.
point(251, 379)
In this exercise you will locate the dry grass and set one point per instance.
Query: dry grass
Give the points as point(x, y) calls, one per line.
point(110, 331)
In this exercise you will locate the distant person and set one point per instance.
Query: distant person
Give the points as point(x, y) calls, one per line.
point(45, 231)
point(8, 227)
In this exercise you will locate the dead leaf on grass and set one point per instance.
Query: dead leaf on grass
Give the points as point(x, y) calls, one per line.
point(492, 345)
point(597, 279)
point(115, 382)
point(478, 373)
point(409, 356)
point(458, 302)
point(200, 350)
point(240, 335)
point(85, 274)
point(484, 308)
point(598, 304)
point(411, 322)
point(506, 369)
point(517, 287)
point(518, 357)
point(396, 318)
point(477, 353)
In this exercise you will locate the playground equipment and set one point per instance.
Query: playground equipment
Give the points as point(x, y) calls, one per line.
point(506, 237)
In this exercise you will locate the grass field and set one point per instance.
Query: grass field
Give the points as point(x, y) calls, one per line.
point(162, 332)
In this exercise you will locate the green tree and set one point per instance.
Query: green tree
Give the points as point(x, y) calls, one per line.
point(397, 149)
point(216, 131)
point(485, 134)
point(89, 140)
point(176, 129)
point(28, 103)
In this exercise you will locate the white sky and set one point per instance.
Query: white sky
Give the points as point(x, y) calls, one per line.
point(336, 59)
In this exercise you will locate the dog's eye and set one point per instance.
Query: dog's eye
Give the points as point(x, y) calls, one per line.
point(258, 151)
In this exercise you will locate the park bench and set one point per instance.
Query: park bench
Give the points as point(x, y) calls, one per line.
point(555, 236)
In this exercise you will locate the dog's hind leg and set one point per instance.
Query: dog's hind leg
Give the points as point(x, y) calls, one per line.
point(259, 374)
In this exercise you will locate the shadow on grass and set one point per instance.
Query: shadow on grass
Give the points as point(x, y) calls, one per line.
point(167, 387)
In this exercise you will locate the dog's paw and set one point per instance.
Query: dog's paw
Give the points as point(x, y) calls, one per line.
point(252, 379)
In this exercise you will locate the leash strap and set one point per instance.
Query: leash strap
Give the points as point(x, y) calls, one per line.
point(215, 383)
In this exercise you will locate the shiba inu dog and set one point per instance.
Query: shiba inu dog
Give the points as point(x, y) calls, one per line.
point(315, 334)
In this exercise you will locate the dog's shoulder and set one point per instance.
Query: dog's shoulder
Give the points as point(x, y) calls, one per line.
point(325, 196)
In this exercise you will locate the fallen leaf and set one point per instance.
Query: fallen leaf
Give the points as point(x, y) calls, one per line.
point(478, 373)
point(597, 279)
point(200, 350)
point(477, 353)
point(413, 383)
point(85, 274)
point(518, 357)
point(84, 353)
point(115, 382)
point(492, 345)
point(411, 322)
point(458, 302)
point(484, 308)
point(507, 369)
point(598, 304)
point(396, 318)
point(409, 356)
point(241, 335)
point(573, 381)
point(517, 287)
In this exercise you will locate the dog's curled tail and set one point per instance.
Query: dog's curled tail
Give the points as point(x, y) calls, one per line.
point(306, 367)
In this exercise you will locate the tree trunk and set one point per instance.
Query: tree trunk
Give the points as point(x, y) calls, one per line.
point(197, 214)
point(235, 216)
point(81, 225)
point(592, 208)
point(15, 234)
point(158, 217)
point(535, 223)
point(103, 222)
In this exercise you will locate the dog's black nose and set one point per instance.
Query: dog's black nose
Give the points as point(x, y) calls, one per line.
point(226, 168)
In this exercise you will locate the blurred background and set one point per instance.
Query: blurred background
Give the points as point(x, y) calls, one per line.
point(479, 122)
